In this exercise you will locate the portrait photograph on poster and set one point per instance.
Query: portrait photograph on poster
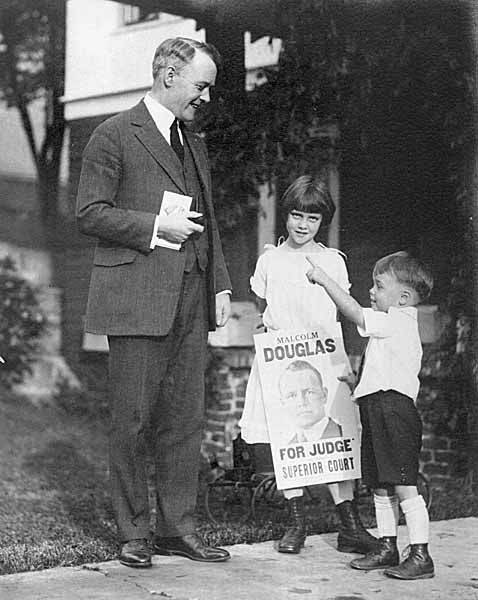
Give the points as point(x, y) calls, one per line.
point(312, 419)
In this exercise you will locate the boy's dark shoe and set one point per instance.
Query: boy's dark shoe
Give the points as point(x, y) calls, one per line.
point(353, 537)
point(385, 555)
point(417, 565)
point(136, 553)
point(295, 534)
point(190, 546)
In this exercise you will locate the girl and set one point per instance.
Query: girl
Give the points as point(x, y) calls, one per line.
point(290, 302)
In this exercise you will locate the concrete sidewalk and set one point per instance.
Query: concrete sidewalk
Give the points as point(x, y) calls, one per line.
point(258, 572)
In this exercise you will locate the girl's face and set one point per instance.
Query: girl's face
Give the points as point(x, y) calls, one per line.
point(302, 227)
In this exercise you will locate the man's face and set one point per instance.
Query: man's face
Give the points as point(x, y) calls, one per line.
point(304, 396)
point(191, 86)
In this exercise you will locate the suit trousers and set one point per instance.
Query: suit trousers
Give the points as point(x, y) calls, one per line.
point(157, 409)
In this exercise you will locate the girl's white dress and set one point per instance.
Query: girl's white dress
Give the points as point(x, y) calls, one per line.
point(292, 303)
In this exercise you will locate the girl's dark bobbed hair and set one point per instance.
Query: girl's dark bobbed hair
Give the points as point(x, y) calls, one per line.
point(310, 195)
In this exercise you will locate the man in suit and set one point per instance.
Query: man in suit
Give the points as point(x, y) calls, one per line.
point(304, 397)
point(156, 303)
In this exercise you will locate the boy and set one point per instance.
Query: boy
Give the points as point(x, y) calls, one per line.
point(386, 392)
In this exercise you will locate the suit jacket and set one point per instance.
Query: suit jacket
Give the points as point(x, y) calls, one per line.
point(127, 165)
point(332, 430)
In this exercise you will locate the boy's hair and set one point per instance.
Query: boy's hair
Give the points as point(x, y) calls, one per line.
point(308, 195)
point(408, 271)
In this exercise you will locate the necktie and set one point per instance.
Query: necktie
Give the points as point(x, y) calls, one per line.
point(176, 142)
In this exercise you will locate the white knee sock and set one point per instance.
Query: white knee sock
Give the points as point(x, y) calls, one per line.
point(417, 519)
point(386, 511)
point(341, 491)
point(293, 493)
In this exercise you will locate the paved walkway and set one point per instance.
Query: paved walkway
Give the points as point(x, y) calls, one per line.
point(258, 572)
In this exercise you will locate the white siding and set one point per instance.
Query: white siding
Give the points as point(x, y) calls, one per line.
point(108, 65)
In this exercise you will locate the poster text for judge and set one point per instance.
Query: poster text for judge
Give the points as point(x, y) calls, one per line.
point(330, 458)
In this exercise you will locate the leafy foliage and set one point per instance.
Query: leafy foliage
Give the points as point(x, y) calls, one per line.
point(391, 69)
point(21, 324)
point(32, 39)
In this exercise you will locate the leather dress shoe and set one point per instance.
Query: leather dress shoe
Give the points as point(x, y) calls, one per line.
point(190, 546)
point(136, 553)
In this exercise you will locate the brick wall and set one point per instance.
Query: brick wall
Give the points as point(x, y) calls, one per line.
point(444, 446)
point(226, 381)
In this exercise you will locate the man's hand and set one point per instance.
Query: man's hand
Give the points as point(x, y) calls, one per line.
point(223, 309)
point(178, 228)
point(316, 274)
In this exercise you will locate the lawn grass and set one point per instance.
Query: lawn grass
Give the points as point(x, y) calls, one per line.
point(54, 507)
point(54, 503)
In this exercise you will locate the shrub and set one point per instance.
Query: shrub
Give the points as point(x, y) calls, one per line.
point(22, 322)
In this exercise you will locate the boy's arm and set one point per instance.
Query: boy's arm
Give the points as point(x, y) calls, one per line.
point(347, 305)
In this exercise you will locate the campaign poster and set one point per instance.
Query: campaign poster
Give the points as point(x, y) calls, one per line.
point(313, 421)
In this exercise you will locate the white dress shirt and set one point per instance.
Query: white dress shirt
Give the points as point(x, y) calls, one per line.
point(163, 119)
point(394, 352)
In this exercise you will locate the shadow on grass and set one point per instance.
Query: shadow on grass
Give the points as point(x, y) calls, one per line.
point(79, 486)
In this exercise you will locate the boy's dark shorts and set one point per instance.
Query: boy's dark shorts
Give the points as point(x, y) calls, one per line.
point(391, 439)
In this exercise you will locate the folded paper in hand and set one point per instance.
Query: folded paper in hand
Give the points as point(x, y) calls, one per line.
point(173, 203)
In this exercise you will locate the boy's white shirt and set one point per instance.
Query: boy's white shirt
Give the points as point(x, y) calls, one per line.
point(394, 352)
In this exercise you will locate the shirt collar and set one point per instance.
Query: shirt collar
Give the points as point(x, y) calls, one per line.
point(411, 311)
point(162, 117)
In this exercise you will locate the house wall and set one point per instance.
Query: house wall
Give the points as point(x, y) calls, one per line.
point(112, 70)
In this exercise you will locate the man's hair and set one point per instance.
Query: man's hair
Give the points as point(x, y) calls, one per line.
point(408, 271)
point(310, 195)
point(301, 365)
point(180, 51)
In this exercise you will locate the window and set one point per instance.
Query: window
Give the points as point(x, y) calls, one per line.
point(135, 14)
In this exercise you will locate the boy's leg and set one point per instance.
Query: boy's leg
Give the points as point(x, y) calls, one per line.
point(418, 564)
point(386, 512)
point(386, 552)
point(417, 519)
